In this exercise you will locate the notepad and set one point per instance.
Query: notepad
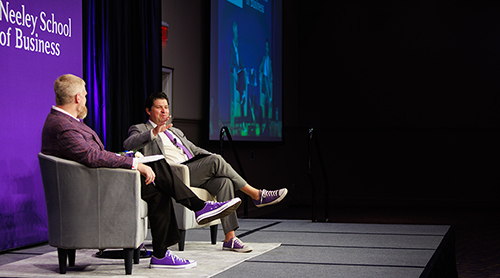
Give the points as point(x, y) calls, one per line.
point(150, 158)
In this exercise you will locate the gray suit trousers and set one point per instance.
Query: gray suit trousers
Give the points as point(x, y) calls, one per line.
point(217, 176)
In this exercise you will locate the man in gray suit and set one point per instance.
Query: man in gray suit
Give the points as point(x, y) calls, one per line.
point(207, 170)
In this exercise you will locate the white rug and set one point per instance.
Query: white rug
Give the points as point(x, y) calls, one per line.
point(210, 258)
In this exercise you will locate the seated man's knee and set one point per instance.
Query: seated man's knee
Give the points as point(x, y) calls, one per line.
point(217, 157)
point(217, 160)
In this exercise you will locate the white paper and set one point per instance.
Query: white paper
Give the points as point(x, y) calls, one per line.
point(150, 158)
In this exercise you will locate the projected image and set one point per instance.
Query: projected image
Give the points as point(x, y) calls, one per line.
point(245, 92)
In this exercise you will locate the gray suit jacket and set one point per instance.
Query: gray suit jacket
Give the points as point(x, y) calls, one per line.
point(139, 138)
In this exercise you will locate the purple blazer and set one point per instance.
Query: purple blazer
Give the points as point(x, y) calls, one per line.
point(65, 137)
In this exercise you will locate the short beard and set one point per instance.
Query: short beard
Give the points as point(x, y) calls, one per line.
point(82, 112)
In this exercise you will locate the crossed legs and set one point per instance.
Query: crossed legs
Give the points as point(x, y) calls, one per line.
point(217, 176)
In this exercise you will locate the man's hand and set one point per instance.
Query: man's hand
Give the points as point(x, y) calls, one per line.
point(161, 127)
point(147, 172)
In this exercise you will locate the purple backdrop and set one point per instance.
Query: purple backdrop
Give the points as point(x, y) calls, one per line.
point(39, 41)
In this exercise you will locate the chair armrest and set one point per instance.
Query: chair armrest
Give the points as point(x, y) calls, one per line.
point(85, 204)
point(182, 171)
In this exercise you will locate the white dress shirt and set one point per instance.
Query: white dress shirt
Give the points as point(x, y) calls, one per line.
point(173, 154)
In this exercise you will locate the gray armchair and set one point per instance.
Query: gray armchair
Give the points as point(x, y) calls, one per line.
point(185, 218)
point(92, 208)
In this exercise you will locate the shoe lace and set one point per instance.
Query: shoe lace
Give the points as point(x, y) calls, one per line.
point(236, 242)
point(266, 193)
point(176, 258)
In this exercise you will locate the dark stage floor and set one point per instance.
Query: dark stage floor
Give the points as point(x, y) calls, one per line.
point(477, 228)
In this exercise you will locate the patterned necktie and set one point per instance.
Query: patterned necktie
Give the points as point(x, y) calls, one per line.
point(174, 141)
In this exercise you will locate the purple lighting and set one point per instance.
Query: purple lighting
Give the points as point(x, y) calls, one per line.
point(95, 74)
point(28, 69)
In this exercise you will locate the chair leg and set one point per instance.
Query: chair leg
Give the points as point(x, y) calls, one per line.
point(137, 254)
point(71, 257)
point(183, 239)
point(213, 233)
point(128, 254)
point(62, 255)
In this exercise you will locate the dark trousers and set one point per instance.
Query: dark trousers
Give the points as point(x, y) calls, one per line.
point(164, 229)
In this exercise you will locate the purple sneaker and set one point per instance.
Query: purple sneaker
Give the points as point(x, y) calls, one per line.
point(270, 197)
point(216, 210)
point(235, 244)
point(171, 261)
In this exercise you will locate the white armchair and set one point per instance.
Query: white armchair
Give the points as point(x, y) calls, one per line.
point(185, 217)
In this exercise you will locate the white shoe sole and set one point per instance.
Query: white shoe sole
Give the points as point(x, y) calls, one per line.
point(275, 201)
point(186, 266)
point(221, 212)
point(243, 250)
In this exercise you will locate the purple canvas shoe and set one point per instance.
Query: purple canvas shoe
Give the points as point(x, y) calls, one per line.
point(235, 244)
point(171, 261)
point(270, 197)
point(216, 210)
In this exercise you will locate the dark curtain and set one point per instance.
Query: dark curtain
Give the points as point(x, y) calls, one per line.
point(122, 64)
